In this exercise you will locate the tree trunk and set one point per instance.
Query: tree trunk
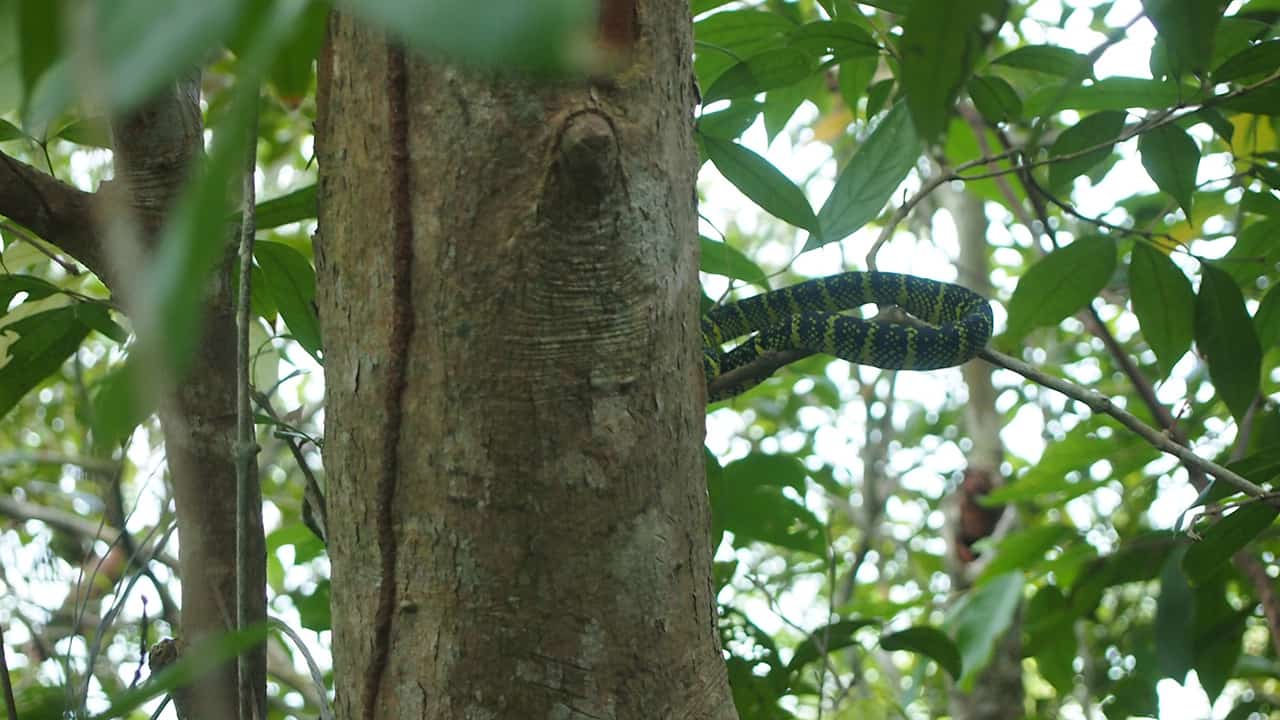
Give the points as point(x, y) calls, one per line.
point(507, 281)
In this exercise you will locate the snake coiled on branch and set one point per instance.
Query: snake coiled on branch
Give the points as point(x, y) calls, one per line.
point(806, 317)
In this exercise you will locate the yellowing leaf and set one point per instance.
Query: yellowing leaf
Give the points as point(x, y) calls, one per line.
point(1253, 134)
point(831, 126)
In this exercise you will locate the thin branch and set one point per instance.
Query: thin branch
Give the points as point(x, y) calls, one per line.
point(55, 211)
point(1099, 403)
point(326, 711)
point(10, 703)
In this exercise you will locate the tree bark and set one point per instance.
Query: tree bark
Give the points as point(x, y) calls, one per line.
point(507, 280)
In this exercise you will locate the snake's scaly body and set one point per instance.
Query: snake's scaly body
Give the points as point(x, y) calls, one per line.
point(806, 317)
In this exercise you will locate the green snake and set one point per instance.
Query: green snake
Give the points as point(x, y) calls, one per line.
point(806, 317)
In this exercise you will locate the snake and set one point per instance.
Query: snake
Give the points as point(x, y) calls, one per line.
point(807, 317)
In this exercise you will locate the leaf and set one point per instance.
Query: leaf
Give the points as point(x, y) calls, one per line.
point(1050, 637)
point(1171, 158)
point(841, 40)
point(292, 284)
point(723, 259)
point(995, 99)
point(1059, 284)
point(1187, 27)
point(121, 402)
point(1266, 320)
point(141, 49)
point(1099, 130)
point(1113, 93)
point(289, 208)
point(43, 342)
point(981, 618)
point(855, 76)
point(1048, 59)
point(1225, 336)
point(869, 179)
point(1139, 559)
point(941, 42)
point(1164, 303)
point(1212, 554)
point(1023, 549)
point(40, 29)
point(1175, 611)
point(747, 499)
point(770, 69)
point(781, 104)
point(1264, 100)
point(760, 181)
point(930, 642)
point(534, 34)
point(1255, 60)
point(825, 640)
point(1219, 633)
point(725, 38)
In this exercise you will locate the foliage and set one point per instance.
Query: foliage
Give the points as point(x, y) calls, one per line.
point(1157, 186)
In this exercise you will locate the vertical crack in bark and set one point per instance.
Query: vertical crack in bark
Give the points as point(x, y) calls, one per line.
point(396, 381)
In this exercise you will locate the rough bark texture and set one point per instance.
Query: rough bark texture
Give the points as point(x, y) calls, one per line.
point(518, 520)
point(998, 694)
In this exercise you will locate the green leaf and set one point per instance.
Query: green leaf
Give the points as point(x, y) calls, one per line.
point(930, 642)
point(9, 131)
point(35, 288)
point(825, 640)
point(995, 99)
point(981, 618)
point(1255, 252)
point(723, 259)
point(869, 179)
point(293, 207)
point(841, 40)
point(1164, 303)
point(40, 31)
point(1175, 612)
point(43, 341)
point(194, 239)
point(897, 7)
point(855, 76)
point(1059, 284)
point(877, 96)
point(535, 34)
point(760, 181)
point(292, 284)
point(1113, 93)
point(121, 402)
point(1254, 61)
point(941, 42)
point(1048, 59)
point(1187, 28)
point(1212, 554)
point(747, 499)
point(1022, 550)
point(1219, 633)
point(730, 122)
point(781, 104)
point(1098, 131)
point(770, 69)
point(1264, 100)
point(1266, 320)
point(1050, 637)
point(1171, 158)
point(726, 38)
point(1225, 336)
point(142, 50)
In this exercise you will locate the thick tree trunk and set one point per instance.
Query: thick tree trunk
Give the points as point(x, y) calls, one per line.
point(507, 281)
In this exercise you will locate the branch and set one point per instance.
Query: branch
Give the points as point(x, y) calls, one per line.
point(1099, 403)
point(69, 523)
point(60, 214)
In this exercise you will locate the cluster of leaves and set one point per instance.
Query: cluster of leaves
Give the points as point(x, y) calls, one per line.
point(1025, 125)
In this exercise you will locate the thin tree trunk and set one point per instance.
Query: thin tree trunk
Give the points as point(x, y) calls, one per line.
point(507, 281)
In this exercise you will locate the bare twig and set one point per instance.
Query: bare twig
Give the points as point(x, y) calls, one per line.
point(10, 704)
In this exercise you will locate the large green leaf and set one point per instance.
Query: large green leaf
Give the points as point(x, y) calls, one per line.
point(869, 179)
point(535, 34)
point(930, 642)
point(1059, 284)
point(40, 31)
point(726, 38)
point(295, 206)
point(824, 640)
point(1048, 59)
point(1187, 28)
point(1113, 93)
point(1023, 550)
point(1171, 158)
point(748, 500)
point(1175, 612)
point(1254, 61)
point(291, 282)
point(1267, 320)
point(1164, 303)
point(1098, 131)
point(42, 342)
point(723, 259)
point(836, 38)
point(121, 401)
point(981, 618)
point(941, 42)
point(770, 69)
point(1213, 553)
point(995, 98)
point(760, 181)
point(1226, 338)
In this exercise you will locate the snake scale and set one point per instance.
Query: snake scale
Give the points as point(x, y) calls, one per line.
point(806, 317)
